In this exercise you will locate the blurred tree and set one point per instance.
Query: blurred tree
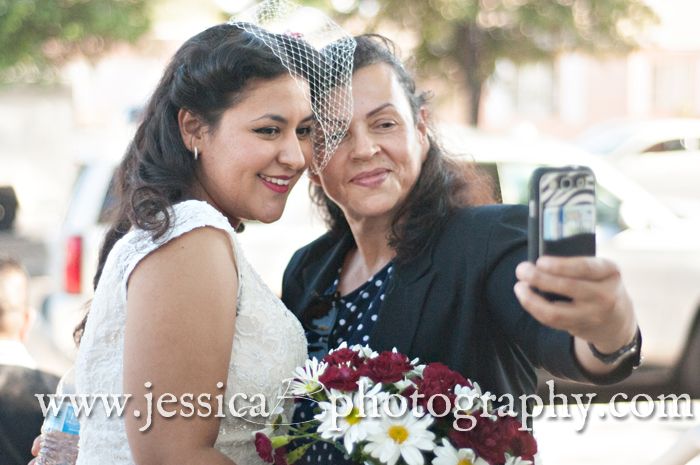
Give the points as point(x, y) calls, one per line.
point(35, 34)
point(471, 35)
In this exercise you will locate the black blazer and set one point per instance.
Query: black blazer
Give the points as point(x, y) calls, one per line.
point(20, 411)
point(455, 303)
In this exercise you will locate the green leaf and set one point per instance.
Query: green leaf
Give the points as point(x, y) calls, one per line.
point(69, 26)
point(297, 453)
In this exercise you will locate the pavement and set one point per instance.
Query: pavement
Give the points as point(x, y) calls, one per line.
point(646, 438)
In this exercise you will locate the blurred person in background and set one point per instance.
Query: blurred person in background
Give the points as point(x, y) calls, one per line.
point(20, 412)
point(412, 262)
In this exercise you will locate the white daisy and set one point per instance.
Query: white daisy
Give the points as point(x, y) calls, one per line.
point(447, 454)
point(403, 385)
point(471, 398)
point(511, 460)
point(364, 351)
point(306, 381)
point(338, 421)
point(403, 437)
point(343, 345)
point(417, 371)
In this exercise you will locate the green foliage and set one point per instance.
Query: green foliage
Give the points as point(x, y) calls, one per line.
point(471, 35)
point(35, 34)
point(523, 30)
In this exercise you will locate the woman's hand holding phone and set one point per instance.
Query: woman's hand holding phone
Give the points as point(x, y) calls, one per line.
point(563, 285)
point(600, 310)
point(599, 314)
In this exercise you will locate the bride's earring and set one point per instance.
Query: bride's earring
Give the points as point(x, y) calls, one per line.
point(196, 153)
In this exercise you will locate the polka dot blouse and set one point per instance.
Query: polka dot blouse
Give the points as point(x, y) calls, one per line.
point(350, 319)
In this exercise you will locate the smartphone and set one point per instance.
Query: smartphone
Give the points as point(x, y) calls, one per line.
point(562, 217)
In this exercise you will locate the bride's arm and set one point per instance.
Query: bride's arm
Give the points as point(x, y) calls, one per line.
point(181, 308)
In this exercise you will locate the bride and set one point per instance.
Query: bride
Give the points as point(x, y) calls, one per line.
point(179, 320)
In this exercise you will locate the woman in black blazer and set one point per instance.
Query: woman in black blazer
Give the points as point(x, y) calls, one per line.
point(410, 262)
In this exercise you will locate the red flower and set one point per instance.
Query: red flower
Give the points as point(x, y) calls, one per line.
point(408, 392)
point(521, 443)
point(343, 356)
point(264, 447)
point(485, 439)
point(340, 377)
point(492, 439)
point(438, 379)
point(387, 367)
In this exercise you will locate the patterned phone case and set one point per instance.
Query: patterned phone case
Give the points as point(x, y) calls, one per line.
point(562, 212)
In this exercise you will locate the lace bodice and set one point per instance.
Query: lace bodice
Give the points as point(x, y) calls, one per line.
point(268, 344)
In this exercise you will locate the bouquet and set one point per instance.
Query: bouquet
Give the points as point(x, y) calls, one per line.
point(382, 408)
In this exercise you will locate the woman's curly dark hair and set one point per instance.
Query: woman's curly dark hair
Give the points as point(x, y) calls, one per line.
point(206, 76)
point(443, 184)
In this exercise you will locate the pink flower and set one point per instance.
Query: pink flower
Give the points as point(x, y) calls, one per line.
point(280, 456)
point(263, 446)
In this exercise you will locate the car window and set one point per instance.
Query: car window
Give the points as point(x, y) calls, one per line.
point(108, 203)
point(490, 171)
point(608, 210)
point(514, 184)
point(674, 145)
point(605, 139)
point(73, 211)
point(78, 183)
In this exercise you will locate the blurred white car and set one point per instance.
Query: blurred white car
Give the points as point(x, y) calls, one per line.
point(658, 252)
point(663, 155)
point(74, 250)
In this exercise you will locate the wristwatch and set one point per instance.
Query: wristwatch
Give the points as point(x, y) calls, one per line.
point(632, 348)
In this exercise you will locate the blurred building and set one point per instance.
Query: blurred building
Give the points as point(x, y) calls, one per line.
point(45, 132)
point(660, 79)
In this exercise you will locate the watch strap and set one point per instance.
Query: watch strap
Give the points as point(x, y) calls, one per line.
point(632, 348)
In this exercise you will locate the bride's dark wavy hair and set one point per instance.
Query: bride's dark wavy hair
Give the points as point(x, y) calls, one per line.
point(207, 76)
point(443, 185)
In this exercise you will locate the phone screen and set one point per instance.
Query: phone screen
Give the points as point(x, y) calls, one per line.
point(567, 212)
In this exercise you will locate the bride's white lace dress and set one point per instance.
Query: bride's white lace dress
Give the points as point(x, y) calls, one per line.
point(268, 344)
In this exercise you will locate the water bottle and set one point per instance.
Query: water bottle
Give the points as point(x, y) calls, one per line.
point(59, 433)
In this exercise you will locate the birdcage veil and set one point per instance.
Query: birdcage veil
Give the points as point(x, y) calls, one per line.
point(311, 46)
